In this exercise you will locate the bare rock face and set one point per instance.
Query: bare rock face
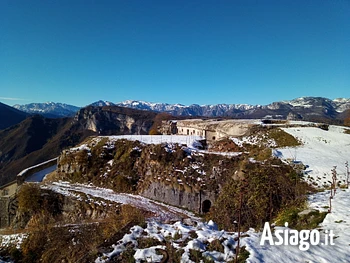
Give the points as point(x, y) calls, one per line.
point(74, 210)
point(114, 120)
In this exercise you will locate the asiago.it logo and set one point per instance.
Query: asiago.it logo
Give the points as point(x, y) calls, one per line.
point(303, 238)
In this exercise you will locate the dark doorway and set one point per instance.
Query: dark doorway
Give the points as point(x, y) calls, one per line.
point(206, 206)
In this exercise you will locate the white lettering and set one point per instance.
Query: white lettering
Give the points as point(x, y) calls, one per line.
point(266, 235)
point(303, 238)
point(286, 234)
point(331, 235)
point(314, 237)
point(304, 235)
point(278, 235)
point(293, 237)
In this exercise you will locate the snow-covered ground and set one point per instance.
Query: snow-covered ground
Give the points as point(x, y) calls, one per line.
point(16, 239)
point(338, 221)
point(161, 211)
point(198, 236)
point(158, 139)
point(321, 151)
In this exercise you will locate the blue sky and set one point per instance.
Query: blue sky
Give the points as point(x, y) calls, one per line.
point(203, 52)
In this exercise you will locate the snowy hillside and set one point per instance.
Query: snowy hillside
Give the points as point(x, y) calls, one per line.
point(321, 151)
point(192, 238)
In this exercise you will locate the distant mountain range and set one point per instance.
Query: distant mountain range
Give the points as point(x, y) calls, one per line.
point(49, 109)
point(301, 108)
point(305, 108)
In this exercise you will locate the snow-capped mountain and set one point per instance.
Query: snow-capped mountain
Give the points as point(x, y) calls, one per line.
point(307, 108)
point(49, 109)
point(102, 103)
point(304, 108)
point(191, 110)
point(339, 105)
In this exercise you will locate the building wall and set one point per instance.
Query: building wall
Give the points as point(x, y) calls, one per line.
point(214, 129)
point(7, 200)
point(188, 130)
point(8, 189)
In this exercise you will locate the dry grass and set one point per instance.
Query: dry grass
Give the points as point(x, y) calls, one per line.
point(77, 242)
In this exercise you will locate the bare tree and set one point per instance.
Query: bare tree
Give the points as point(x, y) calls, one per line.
point(347, 174)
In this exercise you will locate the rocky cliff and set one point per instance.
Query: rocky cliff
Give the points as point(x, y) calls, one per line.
point(169, 173)
point(114, 120)
point(38, 139)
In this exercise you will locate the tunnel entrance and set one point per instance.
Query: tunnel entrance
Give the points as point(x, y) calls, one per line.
point(206, 206)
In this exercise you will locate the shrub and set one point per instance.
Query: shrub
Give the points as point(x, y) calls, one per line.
point(264, 191)
point(29, 198)
point(243, 255)
point(130, 214)
point(216, 245)
point(127, 256)
point(282, 138)
point(300, 221)
point(290, 215)
point(174, 254)
point(123, 184)
point(154, 131)
point(196, 256)
point(148, 242)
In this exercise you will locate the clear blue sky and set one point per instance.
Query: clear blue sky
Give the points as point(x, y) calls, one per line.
point(203, 52)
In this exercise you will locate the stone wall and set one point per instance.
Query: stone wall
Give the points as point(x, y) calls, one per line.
point(4, 221)
point(8, 208)
point(8, 203)
point(177, 197)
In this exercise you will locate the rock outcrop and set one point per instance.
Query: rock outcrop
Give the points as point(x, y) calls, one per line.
point(168, 173)
point(114, 120)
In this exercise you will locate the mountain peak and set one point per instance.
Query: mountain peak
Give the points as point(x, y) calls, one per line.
point(101, 103)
